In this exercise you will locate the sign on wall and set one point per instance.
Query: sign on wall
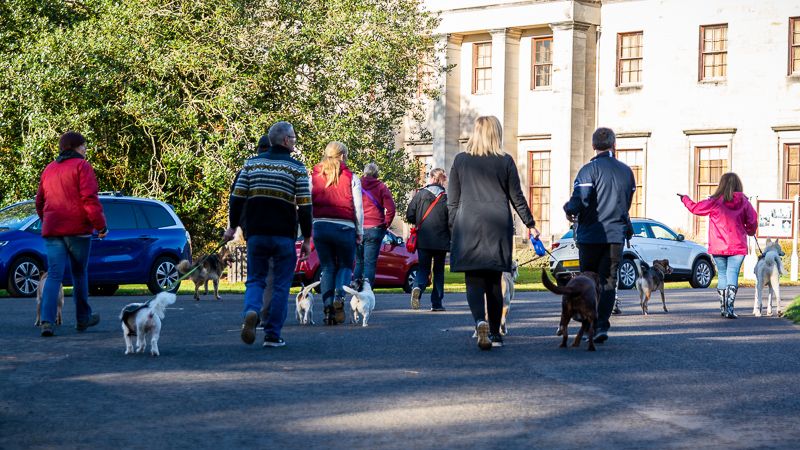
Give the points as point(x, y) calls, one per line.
point(775, 219)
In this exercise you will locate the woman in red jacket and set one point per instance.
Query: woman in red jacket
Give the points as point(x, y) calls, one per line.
point(731, 219)
point(69, 208)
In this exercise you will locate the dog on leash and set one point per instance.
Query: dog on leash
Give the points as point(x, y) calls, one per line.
point(579, 300)
point(304, 304)
point(363, 300)
point(652, 280)
point(39, 291)
point(769, 269)
point(507, 285)
point(143, 320)
point(211, 270)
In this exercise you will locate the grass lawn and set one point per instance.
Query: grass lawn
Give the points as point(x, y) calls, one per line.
point(793, 312)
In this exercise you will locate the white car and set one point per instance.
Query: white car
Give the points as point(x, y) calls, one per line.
point(651, 240)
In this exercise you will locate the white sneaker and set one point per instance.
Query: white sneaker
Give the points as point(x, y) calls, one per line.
point(484, 343)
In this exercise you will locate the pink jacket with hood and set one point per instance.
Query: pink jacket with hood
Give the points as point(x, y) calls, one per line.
point(729, 223)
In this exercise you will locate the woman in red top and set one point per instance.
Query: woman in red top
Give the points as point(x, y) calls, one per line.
point(731, 218)
point(338, 226)
point(68, 206)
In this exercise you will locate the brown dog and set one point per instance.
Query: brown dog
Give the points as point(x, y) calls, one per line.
point(211, 270)
point(39, 290)
point(578, 301)
point(652, 280)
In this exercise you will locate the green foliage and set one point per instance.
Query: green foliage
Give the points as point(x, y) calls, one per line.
point(793, 311)
point(172, 95)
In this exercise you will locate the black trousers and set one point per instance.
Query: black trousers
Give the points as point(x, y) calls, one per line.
point(484, 286)
point(602, 259)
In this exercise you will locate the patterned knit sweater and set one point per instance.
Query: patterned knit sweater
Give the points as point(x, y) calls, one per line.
point(270, 194)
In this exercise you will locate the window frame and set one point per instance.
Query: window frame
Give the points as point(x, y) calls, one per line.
point(786, 181)
point(535, 64)
point(794, 24)
point(726, 150)
point(545, 222)
point(476, 68)
point(640, 181)
point(620, 59)
point(701, 53)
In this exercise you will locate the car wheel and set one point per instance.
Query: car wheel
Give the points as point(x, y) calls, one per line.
point(702, 273)
point(103, 290)
point(23, 277)
point(163, 275)
point(626, 277)
point(410, 276)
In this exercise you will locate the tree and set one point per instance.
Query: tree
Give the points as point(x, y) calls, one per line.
point(172, 95)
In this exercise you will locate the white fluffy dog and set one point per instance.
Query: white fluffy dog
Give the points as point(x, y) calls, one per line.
point(768, 273)
point(363, 301)
point(304, 304)
point(143, 320)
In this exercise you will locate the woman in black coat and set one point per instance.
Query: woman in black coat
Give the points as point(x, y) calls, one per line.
point(483, 181)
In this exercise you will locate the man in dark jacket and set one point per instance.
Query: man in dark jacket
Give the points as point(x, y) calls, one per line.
point(271, 193)
point(599, 205)
point(433, 237)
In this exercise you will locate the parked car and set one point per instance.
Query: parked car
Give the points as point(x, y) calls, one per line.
point(146, 239)
point(651, 240)
point(397, 267)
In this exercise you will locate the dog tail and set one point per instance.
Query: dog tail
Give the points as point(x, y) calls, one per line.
point(308, 288)
point(184, 266)
point(552, 287)
point(350, 290)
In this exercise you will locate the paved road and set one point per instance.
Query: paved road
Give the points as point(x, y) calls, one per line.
point(413, 379)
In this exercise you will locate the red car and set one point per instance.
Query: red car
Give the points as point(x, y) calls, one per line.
point(397, 267)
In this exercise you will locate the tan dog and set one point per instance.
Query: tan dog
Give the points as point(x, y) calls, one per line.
point(579, 300)
point(211, 270)
point(652, 280)
point(39, 290)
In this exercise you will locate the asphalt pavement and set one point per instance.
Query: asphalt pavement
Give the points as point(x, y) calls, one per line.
point(412, 379)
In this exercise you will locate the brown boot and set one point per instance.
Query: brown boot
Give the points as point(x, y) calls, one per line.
point(338, 309)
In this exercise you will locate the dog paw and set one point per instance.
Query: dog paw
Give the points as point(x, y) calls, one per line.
point(756, 313)
point(154, 353)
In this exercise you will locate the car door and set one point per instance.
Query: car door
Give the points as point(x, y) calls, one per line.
point(117, 257)
point(671, 248)
point(642, 242)
point(389, 270)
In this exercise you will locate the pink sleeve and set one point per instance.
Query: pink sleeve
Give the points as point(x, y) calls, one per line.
point(750, 220)
point(702, 208)
point(88, 192)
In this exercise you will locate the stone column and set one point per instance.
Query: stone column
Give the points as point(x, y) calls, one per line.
point(447, 109)
point(569, 146)
point(505, 84)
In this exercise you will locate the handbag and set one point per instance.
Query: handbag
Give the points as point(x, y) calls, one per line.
point(411, 243)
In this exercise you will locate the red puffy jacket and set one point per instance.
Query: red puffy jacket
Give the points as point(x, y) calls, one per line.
point(729, 223)
point(67, 199)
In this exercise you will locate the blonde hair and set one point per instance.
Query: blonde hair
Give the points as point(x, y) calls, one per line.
point(438, 175)
point(335, 153)
point(728, 184)
point(487, 137)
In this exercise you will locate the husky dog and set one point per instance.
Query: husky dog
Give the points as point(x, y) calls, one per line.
point(304, 304)
point(60, 303)
point(143, 320)
point(211, 270)
point(769, 269)
point(363, 301)
point(652, 280)
point(507, 284)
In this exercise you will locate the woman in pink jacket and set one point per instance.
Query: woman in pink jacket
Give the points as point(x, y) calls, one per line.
point(731, 219)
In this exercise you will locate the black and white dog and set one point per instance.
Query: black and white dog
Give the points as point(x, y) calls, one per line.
point(143, 320)
point(363, 300)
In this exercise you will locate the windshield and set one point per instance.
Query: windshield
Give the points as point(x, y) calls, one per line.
point(15, 216)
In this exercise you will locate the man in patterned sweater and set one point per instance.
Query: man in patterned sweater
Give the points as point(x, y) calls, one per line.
point(270, 195)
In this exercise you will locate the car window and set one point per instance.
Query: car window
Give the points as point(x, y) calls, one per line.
point(36, 227)
point(639, 229)
point(14, 217)
point(661, 232)
point(120, 216)
point(156, 215)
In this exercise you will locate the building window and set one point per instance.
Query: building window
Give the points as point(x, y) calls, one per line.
point(482, 68)
point(425, 164)
point(711, 163)
point(539, 189)
point(542, 63)
point(634, 158)
point(794, 45)
point(791, 156)
point(713, 52)
point(629, 58)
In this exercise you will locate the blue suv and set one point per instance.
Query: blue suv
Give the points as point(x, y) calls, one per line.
point(145, 242)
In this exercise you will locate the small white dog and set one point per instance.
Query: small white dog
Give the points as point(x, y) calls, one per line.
point(363, 301)
point(143, 320)
point(304, 304)
point(768, 273)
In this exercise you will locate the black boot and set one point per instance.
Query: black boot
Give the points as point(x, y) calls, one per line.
point(722, 306)
point(731, 298)
point(328, 316)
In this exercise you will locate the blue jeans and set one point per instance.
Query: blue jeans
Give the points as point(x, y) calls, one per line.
point(424, 272)
point(728, 270)
point(367, 254)
point(260, 249)
point(336, 248)
point(59, 249)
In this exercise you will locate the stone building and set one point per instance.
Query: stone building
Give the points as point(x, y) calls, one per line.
point(692, 88)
